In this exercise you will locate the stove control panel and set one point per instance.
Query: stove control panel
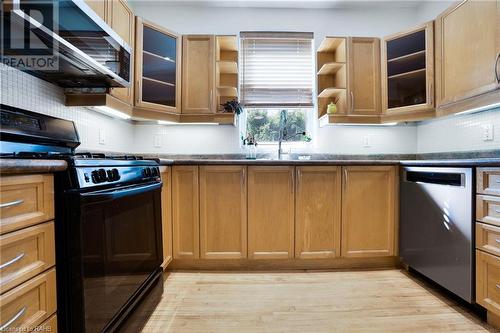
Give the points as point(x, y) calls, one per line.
point(90, 177)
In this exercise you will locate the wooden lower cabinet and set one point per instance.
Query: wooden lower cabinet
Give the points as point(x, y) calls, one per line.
point(270, 212)
point(223, 212)
point(488, 281)
point(166, 215)
point(368, 211)
point(317, 212)
point(185, 212)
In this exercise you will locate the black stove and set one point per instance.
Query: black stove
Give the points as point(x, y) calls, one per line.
point(107, 223)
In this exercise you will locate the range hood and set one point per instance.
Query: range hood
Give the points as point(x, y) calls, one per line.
point(64, 42)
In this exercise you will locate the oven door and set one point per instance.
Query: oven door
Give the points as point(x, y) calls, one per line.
point(121, 248)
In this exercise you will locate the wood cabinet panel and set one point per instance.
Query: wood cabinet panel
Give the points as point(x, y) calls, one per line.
point(364, 76)
point(166, 213)
point(25, 200)
point(270, 212)
point(488, 209)
point(26, 253)
point(488, 181)
point(466, 53)
point(223, 212)
point(122, 21)
point(185, 210)
point(50, 325)
point(368, 211)
point(198, 73)
point(488, 281)
point(488, 238)
point(317, 212)
point(30, 304)
point(99, 7)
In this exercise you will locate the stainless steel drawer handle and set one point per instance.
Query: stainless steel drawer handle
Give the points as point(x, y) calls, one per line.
point(498, 286)
point(12, 203)
point(10, 262)
point(497, 240)
point(13, 319)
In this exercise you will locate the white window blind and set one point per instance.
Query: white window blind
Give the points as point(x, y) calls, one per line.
point(277, 69)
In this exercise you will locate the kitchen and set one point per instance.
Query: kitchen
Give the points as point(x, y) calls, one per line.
point(260, 166)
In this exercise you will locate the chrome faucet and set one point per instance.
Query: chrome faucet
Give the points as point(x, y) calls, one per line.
point(283, 132)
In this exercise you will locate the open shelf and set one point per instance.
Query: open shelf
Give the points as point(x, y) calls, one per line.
point(227, 91)
point(330, 68)
point(408, 57)
point(409, 75)
point(331, 92)
point(331, 44)
point(227, 67)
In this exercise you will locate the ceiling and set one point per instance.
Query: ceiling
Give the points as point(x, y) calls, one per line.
point(305, 4)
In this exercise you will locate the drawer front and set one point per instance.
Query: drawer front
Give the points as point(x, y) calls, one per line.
point(25, 200)
point(488, 238)
point(488, 209)
point(30, 304)
point(26, 253)
point(488, 181)
point(50, 325)
point(488, 281)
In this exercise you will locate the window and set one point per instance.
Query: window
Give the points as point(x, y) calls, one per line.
point(277, 74)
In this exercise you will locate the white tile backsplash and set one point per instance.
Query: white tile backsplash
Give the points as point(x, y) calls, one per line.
point(458, 133)
point(24, 91)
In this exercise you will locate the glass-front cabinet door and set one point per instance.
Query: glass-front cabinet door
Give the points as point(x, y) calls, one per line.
point(408, 71)
point(157, 68)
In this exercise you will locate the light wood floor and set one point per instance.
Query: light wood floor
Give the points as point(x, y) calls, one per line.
point(363, 301)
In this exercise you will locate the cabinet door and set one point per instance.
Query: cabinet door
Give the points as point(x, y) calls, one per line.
point(166, 215)
point(368, 211)
point(468, 47)
point(121, 19)
point(223, 212)
point(185, 210)
point(157, 68)
point(198, 67)
point(99, 7)
point(364, 76)
point(317, 212)
point(408, 71)
point(270, 212)
point(488, 281)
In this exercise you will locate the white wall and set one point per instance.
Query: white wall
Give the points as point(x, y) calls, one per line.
point(28, 92)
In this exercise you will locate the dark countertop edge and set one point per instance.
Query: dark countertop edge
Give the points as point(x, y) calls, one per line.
point(454, 162)
point(17, 166)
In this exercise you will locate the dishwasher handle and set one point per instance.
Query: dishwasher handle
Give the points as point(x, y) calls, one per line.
point(438, 178)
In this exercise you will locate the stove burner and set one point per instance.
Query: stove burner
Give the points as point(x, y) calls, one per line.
point(127, 157)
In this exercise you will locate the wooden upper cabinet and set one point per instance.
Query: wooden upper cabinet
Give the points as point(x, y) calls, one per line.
point(198, 74)
point(408, 71)
point(368, 211)
point(157, 68)
point(364, 76)
point(270, 212)
point(467, 51)
point(99, 7)
point(223, 212)
point(166, 214)
point(185, 212)
point(121, 19)
point(317, 212)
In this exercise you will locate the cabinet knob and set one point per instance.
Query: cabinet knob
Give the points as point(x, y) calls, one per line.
point(497, 76)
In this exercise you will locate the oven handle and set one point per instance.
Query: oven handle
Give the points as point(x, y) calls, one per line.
point(120, 193)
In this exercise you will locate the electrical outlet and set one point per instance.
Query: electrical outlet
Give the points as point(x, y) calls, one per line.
point(366, 142)
point(157, 141)
point(488, 132)
point(102, 136)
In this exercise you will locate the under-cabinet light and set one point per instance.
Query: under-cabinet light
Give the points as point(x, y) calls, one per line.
point(112, 112)
point(171, 123)
point(479, 109)
point(355, 124)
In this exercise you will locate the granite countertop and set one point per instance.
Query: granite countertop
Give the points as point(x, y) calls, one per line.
point(13, 165)
point(164, 161)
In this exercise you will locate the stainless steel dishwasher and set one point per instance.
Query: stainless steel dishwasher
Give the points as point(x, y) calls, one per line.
point(436, 226)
